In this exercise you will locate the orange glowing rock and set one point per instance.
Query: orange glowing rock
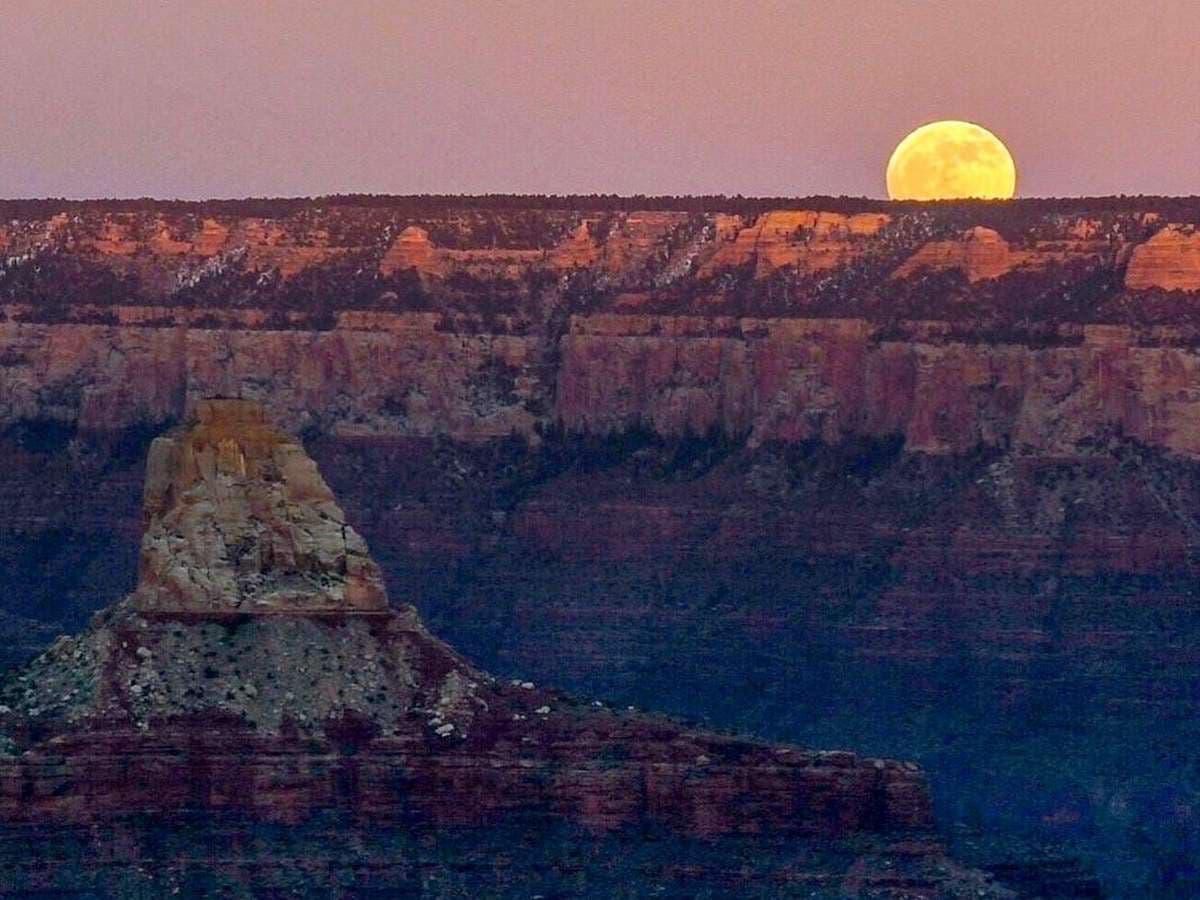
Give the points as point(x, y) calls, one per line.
point(636, 238)
point(211, 239)
point(164, 243)
point(810, 241)
point(579, 251)
point(1169, 261)
point(115, 239)
point(981, 254)
point(411, 250)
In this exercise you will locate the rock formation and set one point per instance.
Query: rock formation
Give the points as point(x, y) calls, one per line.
point(806, 240)
point(193, 693)
point(639, 241)
point(579, 251)
point(411, 250)
point(982, 253)
point(238, 521)
point(1169, 261)
point(257, 670)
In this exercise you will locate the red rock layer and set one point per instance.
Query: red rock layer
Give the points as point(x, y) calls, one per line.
point(808, 241)
point(604, 772)
point(1169, 261)
point(647, 249)
point(411, 250)
point(793, 380)
point(982, 254)
point(774, 379)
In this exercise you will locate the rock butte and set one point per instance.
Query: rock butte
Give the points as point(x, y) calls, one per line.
point(411, 250)
point(166, 704)
point(1170, 261)
point(240, 521)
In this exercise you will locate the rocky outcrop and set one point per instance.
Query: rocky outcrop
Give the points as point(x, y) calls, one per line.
point(411, 250)
point(579, 251)
point(1169, 261)
point(272, 247)
point(982, 254)
point(239, 521)
point(225, 683)
point(382, 373)
point(639, 241)
point(632, 243)
point(806, 240)
point(775, 379)
point(211, 239)
point(114, 240)
point(176, 249)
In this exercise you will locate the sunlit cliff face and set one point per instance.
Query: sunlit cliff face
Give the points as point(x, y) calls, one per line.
point(951, 160)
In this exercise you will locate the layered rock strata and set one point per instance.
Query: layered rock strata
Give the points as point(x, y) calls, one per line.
point(802, 239)
point(1169, 261)
point(170, 250)
point(774, 379)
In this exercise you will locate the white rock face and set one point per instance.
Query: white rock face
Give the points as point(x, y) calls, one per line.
point(239, 520)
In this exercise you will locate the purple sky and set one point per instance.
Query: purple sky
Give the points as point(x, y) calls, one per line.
point(288, 97)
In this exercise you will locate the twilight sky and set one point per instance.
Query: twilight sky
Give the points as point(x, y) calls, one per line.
point(225, 98)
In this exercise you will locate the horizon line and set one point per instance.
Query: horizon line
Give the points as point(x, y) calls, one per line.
point(564, 200)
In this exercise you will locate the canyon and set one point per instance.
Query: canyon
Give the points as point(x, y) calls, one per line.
point(259, 669)
point(915, 481)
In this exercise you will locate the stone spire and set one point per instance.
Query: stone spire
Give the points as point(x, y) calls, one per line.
point(239, 521)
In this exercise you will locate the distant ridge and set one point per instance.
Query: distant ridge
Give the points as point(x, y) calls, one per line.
point(276, 207)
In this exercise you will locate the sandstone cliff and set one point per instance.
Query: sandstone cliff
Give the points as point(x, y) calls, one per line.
point(800, 324)
point(806, 240)
point(391, 375)
point(1169, 261)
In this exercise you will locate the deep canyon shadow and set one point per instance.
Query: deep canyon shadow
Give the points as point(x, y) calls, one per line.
point(831, 596)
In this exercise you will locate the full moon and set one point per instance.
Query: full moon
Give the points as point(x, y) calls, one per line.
point(951, 160)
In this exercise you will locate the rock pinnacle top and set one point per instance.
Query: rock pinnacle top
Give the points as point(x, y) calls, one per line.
point(239, 521)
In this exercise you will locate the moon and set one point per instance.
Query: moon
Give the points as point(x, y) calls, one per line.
point(951, 160)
